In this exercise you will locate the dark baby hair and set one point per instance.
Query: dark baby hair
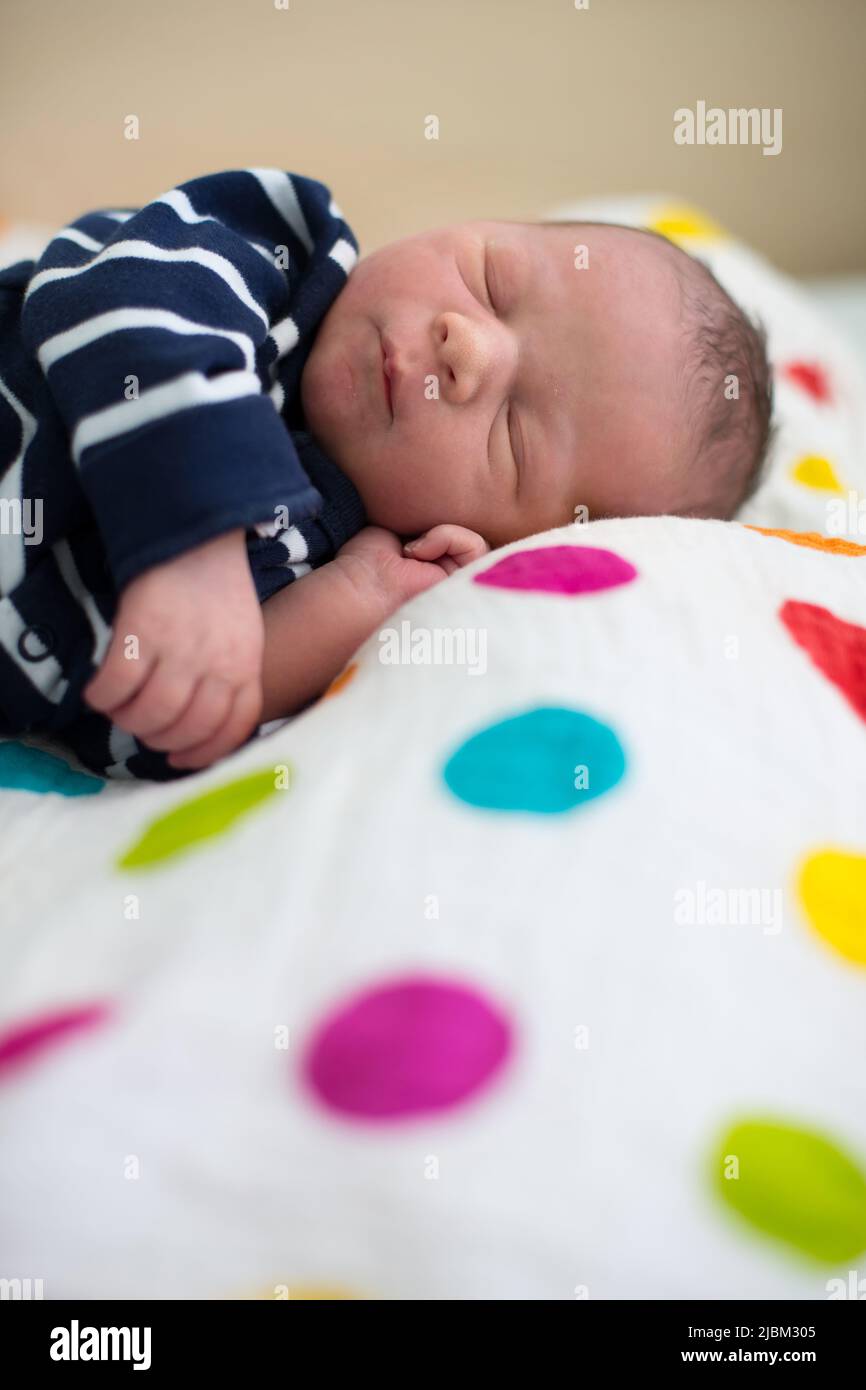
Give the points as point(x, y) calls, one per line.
point(727, 387)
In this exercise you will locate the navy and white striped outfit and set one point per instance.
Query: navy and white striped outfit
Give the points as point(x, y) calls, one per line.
point(150, 369)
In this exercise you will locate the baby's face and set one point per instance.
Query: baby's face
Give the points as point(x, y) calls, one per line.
point(474, 375)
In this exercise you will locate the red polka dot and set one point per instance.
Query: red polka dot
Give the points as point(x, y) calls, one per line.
point(837, 648)
point(411, 1047)
point(559, 569)
point(26, 1040)
point(810, 377)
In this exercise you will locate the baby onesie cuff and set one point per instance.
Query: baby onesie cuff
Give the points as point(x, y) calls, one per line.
point(181, 482)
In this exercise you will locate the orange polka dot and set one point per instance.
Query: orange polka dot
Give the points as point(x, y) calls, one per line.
point(814, 540)
point(340, 682)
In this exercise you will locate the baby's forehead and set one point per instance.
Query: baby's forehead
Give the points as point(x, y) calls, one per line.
point(616, 277)
point(546, 234)
point(603, 250)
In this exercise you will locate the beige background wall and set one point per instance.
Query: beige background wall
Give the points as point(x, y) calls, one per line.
point(537, 102)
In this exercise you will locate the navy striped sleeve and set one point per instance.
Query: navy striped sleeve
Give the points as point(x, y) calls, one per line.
point(170, 338)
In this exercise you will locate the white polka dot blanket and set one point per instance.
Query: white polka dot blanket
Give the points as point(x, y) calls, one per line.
point(528, 963)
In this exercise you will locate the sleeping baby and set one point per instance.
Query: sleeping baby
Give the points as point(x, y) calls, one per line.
point(229, 450)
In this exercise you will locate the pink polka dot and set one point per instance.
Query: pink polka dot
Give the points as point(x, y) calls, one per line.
point(559, 569)
point(26, 1040)
point(406, 1048)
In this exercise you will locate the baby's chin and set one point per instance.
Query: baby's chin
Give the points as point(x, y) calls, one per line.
point(388, 513)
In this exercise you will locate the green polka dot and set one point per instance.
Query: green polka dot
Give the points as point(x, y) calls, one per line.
point(27, 769)
point(200, 818)
point(795, 1185)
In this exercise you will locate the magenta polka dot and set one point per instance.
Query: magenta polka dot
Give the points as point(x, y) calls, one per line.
point(407, 1048)
point(26, 1040)
point(559, 569)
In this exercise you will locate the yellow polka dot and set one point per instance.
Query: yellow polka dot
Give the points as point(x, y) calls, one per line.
point(340, 682)
point(834, 545)
point(300, 1293)
point(683, 223)
point(832, 886)
point(319, 1293)
point(816, 472)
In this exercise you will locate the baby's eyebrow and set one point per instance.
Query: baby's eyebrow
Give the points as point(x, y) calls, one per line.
point(512, 253)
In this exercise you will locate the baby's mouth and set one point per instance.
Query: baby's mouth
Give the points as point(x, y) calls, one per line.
point(388, 394)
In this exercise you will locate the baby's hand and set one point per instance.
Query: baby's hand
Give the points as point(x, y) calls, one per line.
point(451, 547)
point(396, 573)
point(195, 687)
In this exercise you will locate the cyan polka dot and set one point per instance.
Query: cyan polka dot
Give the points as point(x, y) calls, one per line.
point(545, 761)
point(27, 769)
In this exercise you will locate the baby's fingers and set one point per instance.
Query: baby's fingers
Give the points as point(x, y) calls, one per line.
point(161, 700)
point(118, 679)
point(458, 543)
point(201, 717)
point(433, 544)
point(243, 717)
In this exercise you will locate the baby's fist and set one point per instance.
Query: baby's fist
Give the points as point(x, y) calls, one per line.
point(450, 547)
point(193, 689)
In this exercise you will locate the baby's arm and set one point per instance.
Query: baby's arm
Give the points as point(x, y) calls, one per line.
point(313, 626)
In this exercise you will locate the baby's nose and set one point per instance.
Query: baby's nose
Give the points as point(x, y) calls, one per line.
point(464, 357)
